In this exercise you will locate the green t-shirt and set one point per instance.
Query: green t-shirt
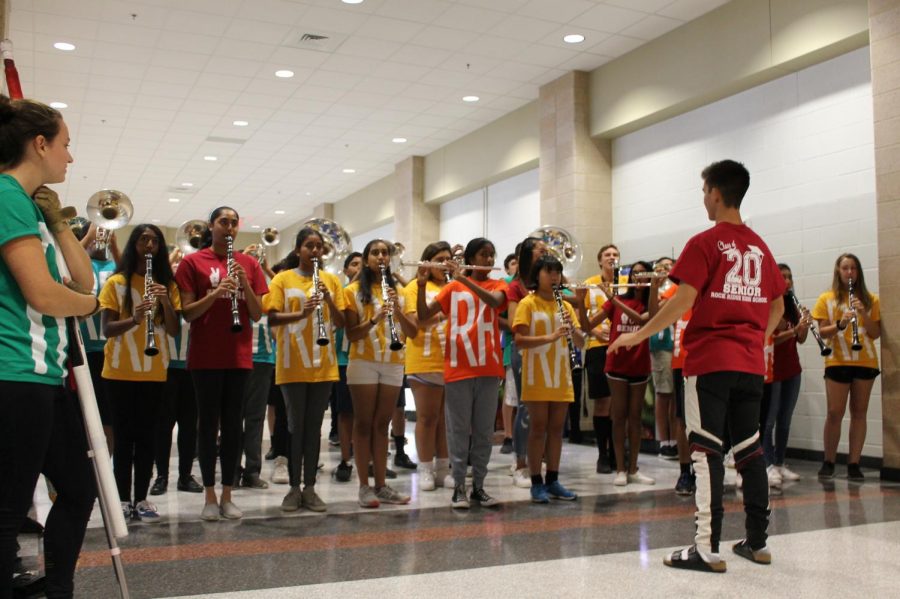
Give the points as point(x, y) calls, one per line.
point(91, 332)
point(32, 346)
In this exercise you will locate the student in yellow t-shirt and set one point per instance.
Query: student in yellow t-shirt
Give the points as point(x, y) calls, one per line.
point(135, 381)
point(425, 371)
point(306, 361)
point(848, 371)
point(541, 332)
point(374, 371)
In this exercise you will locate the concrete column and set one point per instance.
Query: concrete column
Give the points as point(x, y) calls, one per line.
point(575, 170)
point(324, 210)
point(884, 37)
point(416, 224)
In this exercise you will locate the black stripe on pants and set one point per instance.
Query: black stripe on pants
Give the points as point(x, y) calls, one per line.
point(135, 411)
point(711, 400)
point(220, 395)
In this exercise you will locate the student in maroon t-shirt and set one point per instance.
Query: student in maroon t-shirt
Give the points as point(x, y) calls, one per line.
point(729, 276)
point(219, 360)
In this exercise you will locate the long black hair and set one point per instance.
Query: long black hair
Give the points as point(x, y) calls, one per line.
point(641, 293)
point(547, 261)
point(368, 277)
point(526, 258)
point(129, 260)
point(207, 234)
point(791, 314)
point(292, 260)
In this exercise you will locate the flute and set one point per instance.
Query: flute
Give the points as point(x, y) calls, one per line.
point(443, 265)
point(150, 348)
point(236, 325)
point(574, 362)
point(322, 338)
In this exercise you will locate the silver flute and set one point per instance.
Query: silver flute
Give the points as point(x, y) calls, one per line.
point(574, 361)
point(322, 338)
point(236, 325)
point(854, 321)
point(150, 348)
point(396, 344)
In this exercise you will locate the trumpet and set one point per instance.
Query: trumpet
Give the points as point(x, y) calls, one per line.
point(150, 348)
point(824, 350)
point(854, 321)
point(574, 361)
point(236, 325)
point(396, 344)
point(322, 338)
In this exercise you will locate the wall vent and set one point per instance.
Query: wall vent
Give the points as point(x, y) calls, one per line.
point(318, 41)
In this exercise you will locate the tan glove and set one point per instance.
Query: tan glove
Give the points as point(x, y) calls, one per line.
point(54, 214)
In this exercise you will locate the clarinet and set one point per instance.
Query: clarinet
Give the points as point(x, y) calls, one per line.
point(396, 344)
point(854, 321)
point(150, 348)
point(236, 325)
point(574, 362)
point(824, 350)
point(322, 339)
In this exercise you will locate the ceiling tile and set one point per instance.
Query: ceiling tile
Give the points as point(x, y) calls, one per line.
point(559, 11)
point(651, 27)
point(423, 11)
point(687, 10)
point(648, 6)
point(611, 19)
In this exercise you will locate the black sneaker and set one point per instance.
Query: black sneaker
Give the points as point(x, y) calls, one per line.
point(687, 484)
point(669, 452)
point(603, 465)
point(854, 474)
point(401, 460)
point(507, 447)
point(334, 440)
point(189, 485)
point(343, 472)
point(270, 455)
point(759, 556)
point(690, 559)
point(459, 500)
point(160, 486)
point(483, 498)
point(827, 470)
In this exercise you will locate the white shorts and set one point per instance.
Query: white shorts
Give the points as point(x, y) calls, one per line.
point(366, 372)
point(429, 379)
point(510, 397)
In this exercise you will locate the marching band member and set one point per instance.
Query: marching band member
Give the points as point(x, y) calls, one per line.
point(848, 314)
point(510, 396)
point(135, 382)
point(220, 361)
point(546, 373)
point(425, 372)
point(375, 372)
point(661, 346)
point(473, 364)
point(305, 369)
point(342, 408)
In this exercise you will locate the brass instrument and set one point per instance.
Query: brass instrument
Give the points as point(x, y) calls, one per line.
point(189, 237)
point(824, 350)
point(396, 344)
point(236, 325)
point(109, 210)
point(854, 321)
point(397, 250)
point(574, 361)
point(150, 348)
point(322, 338)
point(269, 237)
point(336, 240)
point(562, 245)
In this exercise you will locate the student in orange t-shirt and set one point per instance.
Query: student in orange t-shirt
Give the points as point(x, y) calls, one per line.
point(473, 364)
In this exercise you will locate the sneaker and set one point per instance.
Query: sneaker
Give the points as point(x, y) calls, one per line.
point(760, 556)
point(210, 512)
point(522, 478)
point(311, 501)
point(343, 472)
point(482, 498)
point(230, 511)
point(459, 501)
point(774, 476)
point(690, 559)
point(388, 495)
point(668, 452)
point(854, 474)
point(448, 482)
point(147, 511)
point(507, 447)
point(603, 465)
point(621, 479)
point(640, 479)
point(687, 484)
point(426, 480)
point(401, 460)
point(787, 474)
point(827, 470)
point(334, 440)
point(189, 485)
point(291, 501)
point(557, 491)
point(367, 497)
point(388, 473)
point(270, 455)
point(539, 494)
point(160, 485)
point(253, 481)
point(280, 474)
point(128, 511)
point(729, 459)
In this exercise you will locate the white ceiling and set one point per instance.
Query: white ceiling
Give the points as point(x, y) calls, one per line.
point(152, 82)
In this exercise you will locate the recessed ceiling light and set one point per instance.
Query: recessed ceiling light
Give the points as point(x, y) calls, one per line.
point(470, 98)
point(58, 105)
point(308, 193)
point(573, 38)
point(399, 140)
point(279, 212)
point(240, 123)
point(187, 184)
point(284, 74)
point(254, 226)
point(349, 171)
point(352, 1)
point(155, 220)
point(64, 46)
point(174, 200)
point(210, 158)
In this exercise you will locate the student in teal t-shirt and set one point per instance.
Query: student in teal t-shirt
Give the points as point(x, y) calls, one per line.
point(40, 423)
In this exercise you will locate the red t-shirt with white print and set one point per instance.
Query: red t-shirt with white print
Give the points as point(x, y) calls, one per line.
point(736, 278)
point(629, 362)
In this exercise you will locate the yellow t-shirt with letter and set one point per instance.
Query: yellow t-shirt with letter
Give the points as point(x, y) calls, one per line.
point(424, 352)
point(842, 354)
point(375, 346)
point(593, 301)
point(546, 373)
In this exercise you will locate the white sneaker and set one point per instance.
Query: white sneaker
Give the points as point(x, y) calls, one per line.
point(280, 475)
point(447, 481)
point(640, 479)
point(147, 511)
point(787, 474)
point(621, 479)
point(774, 476)
point(729, 459)
point(522, 478)
point(230, 511)
point(426, 480)
point(210, 512)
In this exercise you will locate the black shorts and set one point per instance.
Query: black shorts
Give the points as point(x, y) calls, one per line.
point(275, 395)
point(344, 404)
point(631, 380)
point(594, 365)
point(95, 365)
point(678, 384)
point(847, 374)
